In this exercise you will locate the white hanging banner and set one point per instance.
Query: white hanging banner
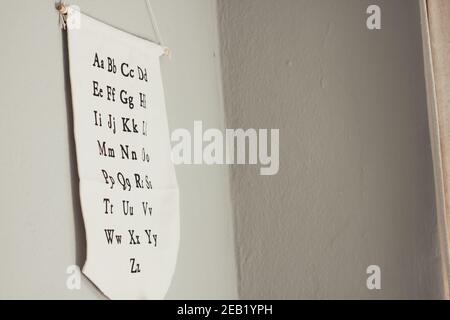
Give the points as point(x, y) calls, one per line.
point(128, 187)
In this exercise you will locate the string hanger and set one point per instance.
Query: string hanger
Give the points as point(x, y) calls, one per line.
point(155, 27)
point(63, 13)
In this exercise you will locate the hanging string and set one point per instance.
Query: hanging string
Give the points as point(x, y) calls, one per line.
point(62, 14)
point(155, 27)
point(154, 23)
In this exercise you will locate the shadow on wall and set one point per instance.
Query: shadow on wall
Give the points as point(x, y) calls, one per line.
point(80, 233)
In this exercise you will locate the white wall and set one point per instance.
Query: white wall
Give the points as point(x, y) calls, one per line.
point(355, 185)
point(41, 231)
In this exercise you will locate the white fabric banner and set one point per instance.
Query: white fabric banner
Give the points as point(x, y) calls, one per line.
point(128, 187)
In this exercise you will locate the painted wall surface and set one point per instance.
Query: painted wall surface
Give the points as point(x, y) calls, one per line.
point(41, 231)
point(355, 186)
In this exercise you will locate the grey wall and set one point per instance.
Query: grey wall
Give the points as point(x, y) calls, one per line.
point(40, 228)
point(355, 185)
